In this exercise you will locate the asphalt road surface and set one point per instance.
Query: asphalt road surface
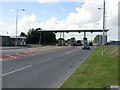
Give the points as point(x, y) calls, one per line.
point(48, 70)
point(14, 50)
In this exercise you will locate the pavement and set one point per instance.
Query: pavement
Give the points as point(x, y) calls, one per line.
point(42, 70)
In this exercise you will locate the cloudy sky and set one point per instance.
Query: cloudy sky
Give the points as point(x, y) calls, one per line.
point(56, 14)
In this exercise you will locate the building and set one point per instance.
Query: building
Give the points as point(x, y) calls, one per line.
point(114, 43)
point(10, 41)
point(20, 40)
point(100, 39)
point(4, 40)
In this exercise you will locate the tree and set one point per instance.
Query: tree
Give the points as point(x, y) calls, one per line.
point(96, 39)
point(68, 41)
point(61, 39)
point(73, 39)
point(33, 36)
point(46, 37)
point(23, 34)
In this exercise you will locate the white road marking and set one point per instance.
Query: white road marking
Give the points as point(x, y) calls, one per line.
point(74, 68)
point(50, 59)
point(20, 54)
point(11, 56)
point(16, 70)
point(68, 53)
point(47, 60)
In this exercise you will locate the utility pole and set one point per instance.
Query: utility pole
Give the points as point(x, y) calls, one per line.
point(103, 38)
point(16, 27)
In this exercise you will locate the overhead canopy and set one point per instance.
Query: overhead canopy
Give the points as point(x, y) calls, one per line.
point(81, 30)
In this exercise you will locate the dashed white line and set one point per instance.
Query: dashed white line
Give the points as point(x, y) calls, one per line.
point(50, 59)
point(68, 53)
point(16, 70)
point(25, 67)
point(47, 60)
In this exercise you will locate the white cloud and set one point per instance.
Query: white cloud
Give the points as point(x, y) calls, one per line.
point(28, 19)
point(7, 29)
point(88, 16)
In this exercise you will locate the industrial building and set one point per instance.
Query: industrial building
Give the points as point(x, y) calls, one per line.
point(10, 41)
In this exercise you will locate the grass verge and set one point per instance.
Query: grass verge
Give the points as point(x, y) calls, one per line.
point(32, 44)
point(97, 71)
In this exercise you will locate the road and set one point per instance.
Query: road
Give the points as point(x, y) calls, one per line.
point(47, 70)
point(18, 49)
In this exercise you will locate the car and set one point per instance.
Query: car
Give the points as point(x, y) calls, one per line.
point(86, 47)
point(90, 44)
point(79, 43)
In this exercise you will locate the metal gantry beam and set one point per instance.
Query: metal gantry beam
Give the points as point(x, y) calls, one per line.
point(81, 30)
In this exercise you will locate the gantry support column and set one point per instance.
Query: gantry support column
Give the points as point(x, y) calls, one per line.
point(60, 40)
point(63, 39)
point(84, 38)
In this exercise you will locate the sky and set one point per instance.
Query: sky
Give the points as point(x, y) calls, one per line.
point(56, 14)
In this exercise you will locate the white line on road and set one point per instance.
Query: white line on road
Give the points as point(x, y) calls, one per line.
point(11, 56)
point(68, 53)
point(50, 59)
point(47, 60)
point(74, 68)
point(16, 70)
point(20, 54)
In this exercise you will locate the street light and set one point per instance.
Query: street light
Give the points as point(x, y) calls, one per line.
point(17, 23)
point(103, 40)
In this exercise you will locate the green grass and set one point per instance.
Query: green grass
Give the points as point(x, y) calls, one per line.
point(32, 44)
point(97, 71)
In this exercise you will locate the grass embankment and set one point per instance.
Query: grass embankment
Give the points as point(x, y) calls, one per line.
point(97, 71)
point(32, 44)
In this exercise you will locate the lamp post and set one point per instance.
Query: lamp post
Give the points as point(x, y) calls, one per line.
point(103, 28)
point(103, 37)
point(17, 23)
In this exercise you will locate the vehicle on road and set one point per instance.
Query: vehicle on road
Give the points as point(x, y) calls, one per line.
point(90, 44)
point(73, 42)
point(86, 47)
point(79, 43)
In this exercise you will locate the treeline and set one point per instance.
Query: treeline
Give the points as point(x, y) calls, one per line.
point(34, 36)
